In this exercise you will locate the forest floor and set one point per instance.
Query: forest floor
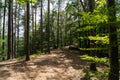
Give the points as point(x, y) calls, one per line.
point(61, 64)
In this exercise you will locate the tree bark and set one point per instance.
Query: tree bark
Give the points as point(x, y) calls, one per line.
point(14, 31)
point(18, 31)
point(58, 27)
point(35, 28)
point(3, 33)
point(114, 61)
point(27, 34)
point(83, 6)
point(48, 28)
point(92, 33)
point(9, 54)
point(41, 27)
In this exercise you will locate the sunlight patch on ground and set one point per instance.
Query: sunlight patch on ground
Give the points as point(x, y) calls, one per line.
point(56, 66)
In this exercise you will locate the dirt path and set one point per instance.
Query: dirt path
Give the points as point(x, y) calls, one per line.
point(59, 65)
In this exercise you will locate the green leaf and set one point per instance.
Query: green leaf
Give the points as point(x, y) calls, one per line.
point(24, 1)
point(95, 59)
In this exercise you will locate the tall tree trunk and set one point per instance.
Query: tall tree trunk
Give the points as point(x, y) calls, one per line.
point(27, 34)
point(41, 27)
point(0, 21)
point(14, 29)
point(114, 63)
point(58, 27)
point(35, 27)
point(18, 29)
point(61, 31)
point(3, 33)
point(65, 32)
point(1, 26)
point(92, 33)
point(33, 31)
point(79, 34)
point(9, 54)
point(48, 28)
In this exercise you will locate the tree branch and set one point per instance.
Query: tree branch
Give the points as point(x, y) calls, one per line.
point(83, 5)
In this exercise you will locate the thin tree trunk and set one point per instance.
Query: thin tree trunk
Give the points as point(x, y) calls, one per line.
point(18, 29)
point(48, 28)
point(58, 27)
point(9, 54)
point(14, 32)
point(35, 28)
point(33, 32)
point(92, 33)
point(1, 25)
point(0, 22)
point(83, 6)
point(114, 61)
point(41, 28)
point(3, 33)
point(65, 38)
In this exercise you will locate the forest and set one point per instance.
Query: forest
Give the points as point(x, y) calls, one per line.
point(59, 39)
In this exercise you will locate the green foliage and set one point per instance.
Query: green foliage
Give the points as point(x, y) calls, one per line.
point(24, 1)
point(21, 1)
point(1, 40)
point(97, 75)
point(93, 49)
point(93, 18)
point(98, 39)
point(86, 28)
point(1, 54)
point(38, 53)
point(100, 3)
point(1, 5)
point(95, 59)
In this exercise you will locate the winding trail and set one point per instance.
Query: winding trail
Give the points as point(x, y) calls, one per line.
point(61, 64)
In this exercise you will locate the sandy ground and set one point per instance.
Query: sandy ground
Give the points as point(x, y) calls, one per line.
point(59, 65)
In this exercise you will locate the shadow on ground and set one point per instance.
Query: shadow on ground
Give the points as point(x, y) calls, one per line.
point(4, 74)
point(61, 64)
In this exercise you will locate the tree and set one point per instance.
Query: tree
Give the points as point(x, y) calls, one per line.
point(48, 28)
point(18, 30)
point(34, 7)
point(92, 33)
point(0, 18)
point(41, 27)
point(114, 63)
point(27, 33)
point(83, 6)
point(14, 29)
point(35, 28)
point(3, 33)
point(58, 27)
point(9, 55)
